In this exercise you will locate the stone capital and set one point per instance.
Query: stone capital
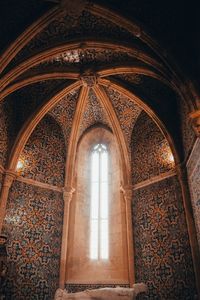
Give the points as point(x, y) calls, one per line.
point(195, 121)
point(127, 192)
point(68, 194)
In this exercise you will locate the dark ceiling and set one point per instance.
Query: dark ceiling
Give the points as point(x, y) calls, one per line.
point(173, 24)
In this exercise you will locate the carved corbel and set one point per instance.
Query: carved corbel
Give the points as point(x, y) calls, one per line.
point(195, 121)
point(89, 79)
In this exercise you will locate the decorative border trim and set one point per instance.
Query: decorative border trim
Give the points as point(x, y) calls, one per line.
point(39, 184)
point(154, 179)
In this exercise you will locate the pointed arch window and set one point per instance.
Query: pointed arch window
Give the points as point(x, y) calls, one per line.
point(99, 203)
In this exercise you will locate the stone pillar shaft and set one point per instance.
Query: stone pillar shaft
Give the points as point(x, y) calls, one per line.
point(127, 195)
point(67, 196)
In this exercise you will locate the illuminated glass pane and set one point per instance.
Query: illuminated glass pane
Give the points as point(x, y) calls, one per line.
point(95, 200)
point(94, 239)
point(104, 166)
point(104, 239)
point(95, 167)
point(104, 200)
point(99, 199)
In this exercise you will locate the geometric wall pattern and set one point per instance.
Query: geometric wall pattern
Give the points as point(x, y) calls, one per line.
point(194, 183)
point(126, 110)
point(17, 108)
point(162, 250)
point(5, 125)
point(93, 113)
point(151, 154)
point(34, 224)
point(44, 153)
point(67, 27)
point(63, 112)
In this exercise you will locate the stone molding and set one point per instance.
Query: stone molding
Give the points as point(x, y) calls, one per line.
point(40, 184)
point(154, 179)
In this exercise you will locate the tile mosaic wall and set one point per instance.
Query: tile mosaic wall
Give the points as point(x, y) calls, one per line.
point(127, 112)
point(162, 250)
point(34, 225)
point(194, 183)
point(93, 114)
point(151, 154)
point(63, 112)
point(44, 153)
point(67, 27)
point(5, 131)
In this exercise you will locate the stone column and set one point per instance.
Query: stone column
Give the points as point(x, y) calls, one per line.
point(67, 196)
point(7, 182)
point(127, 196)
point(182, 175)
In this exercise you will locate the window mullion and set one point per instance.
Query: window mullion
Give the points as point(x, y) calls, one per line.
point(99, 210)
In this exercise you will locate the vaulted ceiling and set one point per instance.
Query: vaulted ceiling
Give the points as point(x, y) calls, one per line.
point(118, 58)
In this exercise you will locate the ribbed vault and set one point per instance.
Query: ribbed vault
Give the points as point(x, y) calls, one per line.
point(71, 71)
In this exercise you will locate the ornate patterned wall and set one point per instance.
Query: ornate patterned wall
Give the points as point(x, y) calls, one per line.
point(160, 98)
point(151, 153)
point(64, 111)
point(34, 225)
point(44, 153)
point(162, 250)
point(26, 100)
point(83, 58)
point(93, 114)
point(66, 28)
point(5, 131)
point(126, 110)
point(18, 107)
point(194, 182)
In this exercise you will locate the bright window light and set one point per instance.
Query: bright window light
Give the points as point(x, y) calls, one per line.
point(99, 203)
